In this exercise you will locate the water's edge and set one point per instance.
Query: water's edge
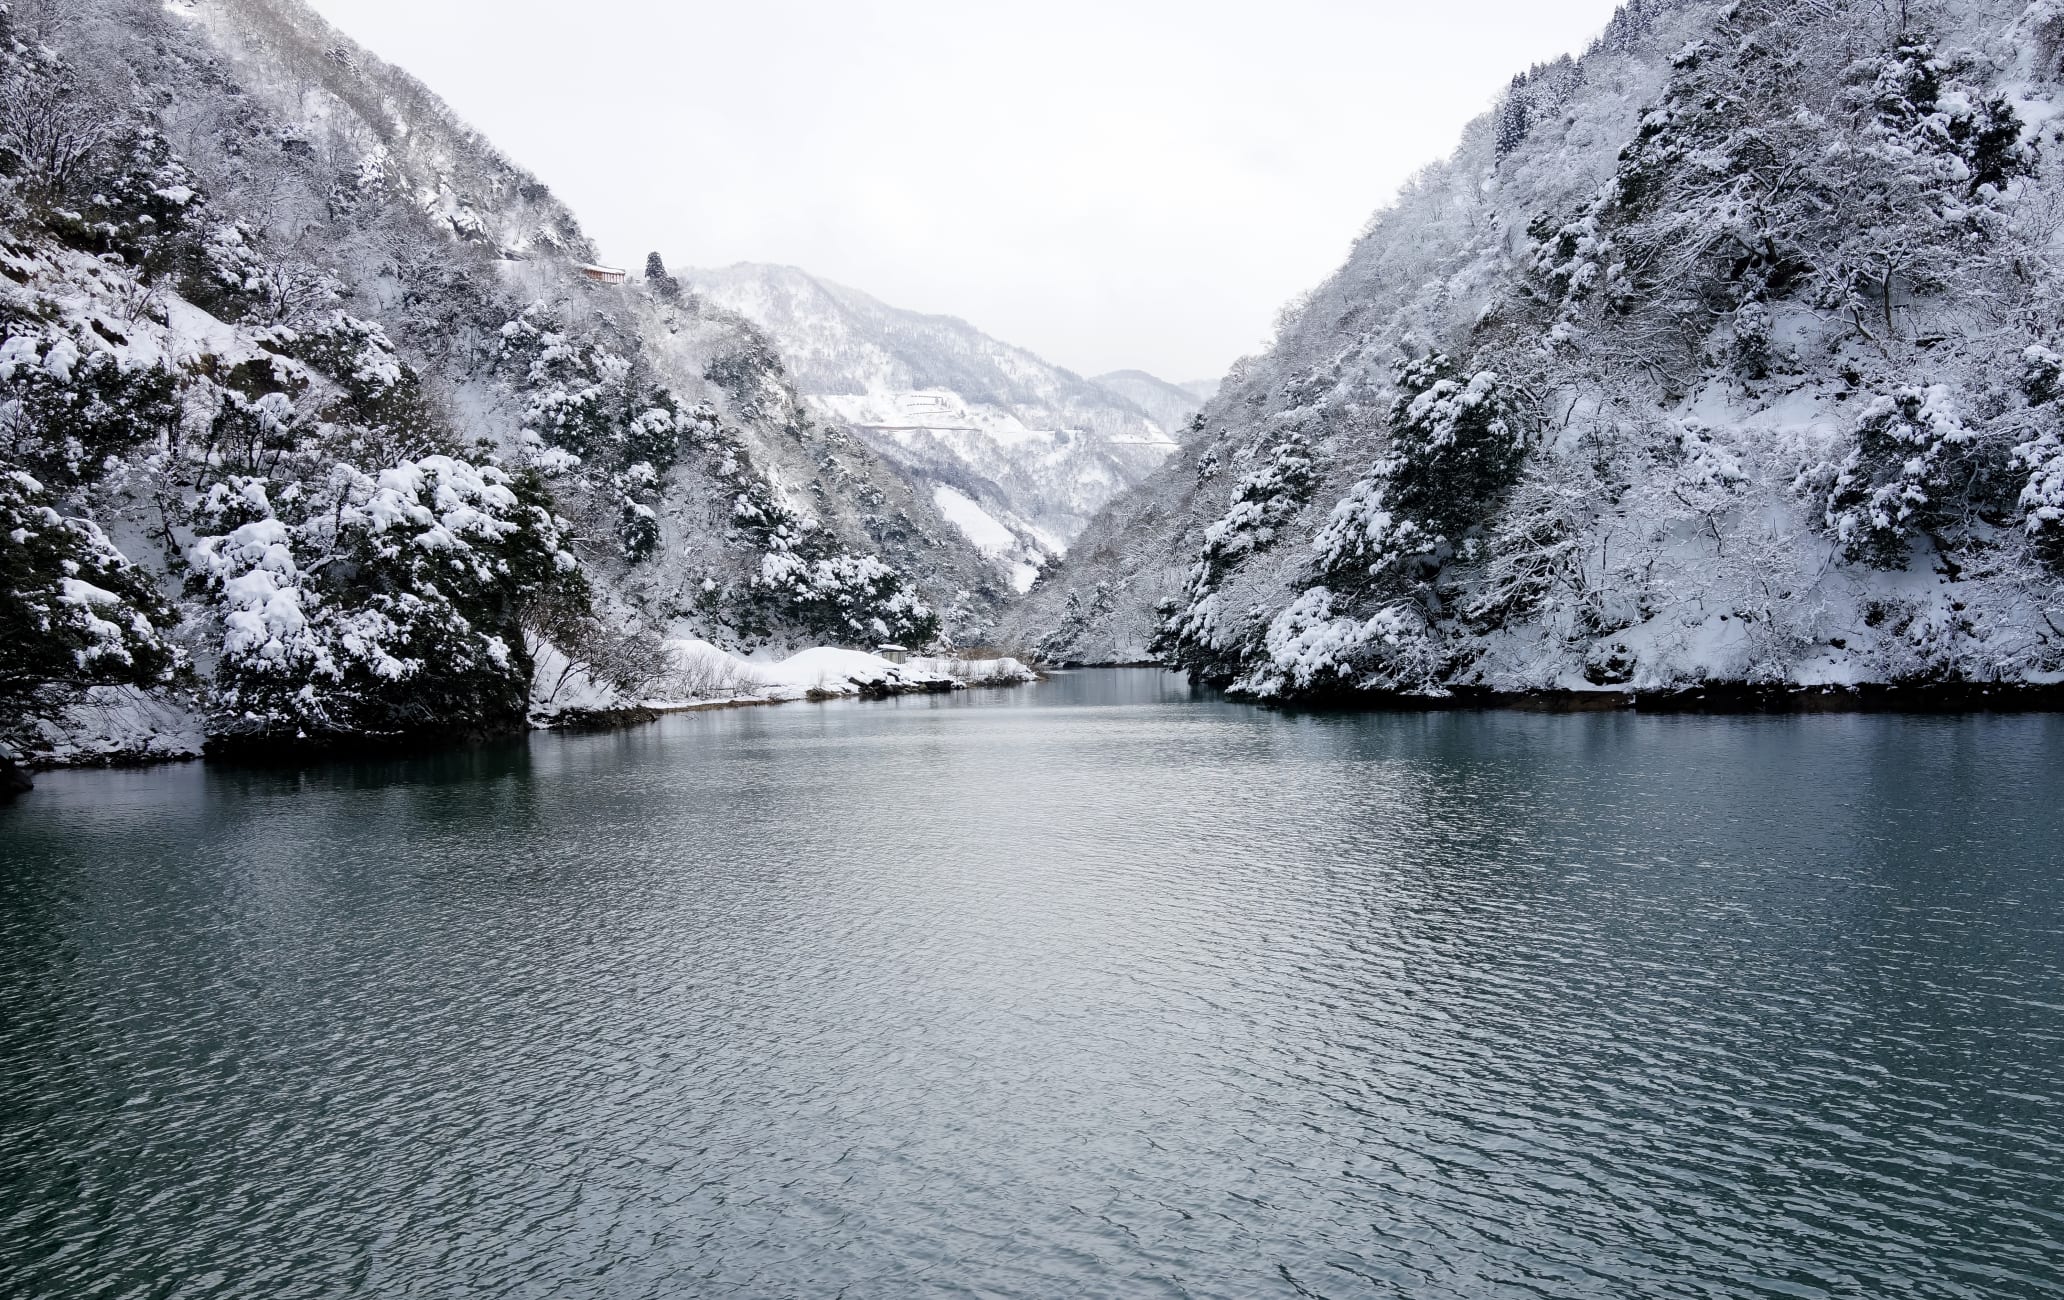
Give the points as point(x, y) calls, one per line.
point(16, 778)
point(1715, 697)
point(1939, 698)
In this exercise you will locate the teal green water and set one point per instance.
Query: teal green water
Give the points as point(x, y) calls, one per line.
point(1090, 988)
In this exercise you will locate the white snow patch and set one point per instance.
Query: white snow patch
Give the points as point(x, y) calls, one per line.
point(706, 675)
point(977, 524)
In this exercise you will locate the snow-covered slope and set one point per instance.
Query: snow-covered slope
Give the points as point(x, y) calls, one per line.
point(318, 431)
point(1172, 406)
point(1032, 448)
point(1725, 354)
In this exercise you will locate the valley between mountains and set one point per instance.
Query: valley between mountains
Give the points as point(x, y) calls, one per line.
point(1722, 359)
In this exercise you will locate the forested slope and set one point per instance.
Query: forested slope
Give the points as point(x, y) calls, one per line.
point(1727, 353)
point(313, 430)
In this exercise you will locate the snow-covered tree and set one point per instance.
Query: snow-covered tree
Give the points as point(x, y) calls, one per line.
point(1456, 444)
point(1262, 501)
point(2040, 458)
point(666, 286)
point(1914, 469)
point(68, 404)
point(375, 607)
point(806, 580)
point(74, 612)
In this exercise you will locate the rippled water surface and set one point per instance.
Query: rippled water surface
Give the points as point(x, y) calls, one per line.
point(1091, 988)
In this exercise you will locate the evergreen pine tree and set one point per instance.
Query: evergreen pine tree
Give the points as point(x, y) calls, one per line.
point(666, 286)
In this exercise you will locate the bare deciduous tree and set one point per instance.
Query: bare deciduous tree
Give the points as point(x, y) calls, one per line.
point(55, 126)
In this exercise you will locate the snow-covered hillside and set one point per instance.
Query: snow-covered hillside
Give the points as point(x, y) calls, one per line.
point(1725, 354)
point(1002, 439)
point(1172, 406)
point(317, 431)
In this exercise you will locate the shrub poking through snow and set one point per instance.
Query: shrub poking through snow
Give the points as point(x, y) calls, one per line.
point(386, 606)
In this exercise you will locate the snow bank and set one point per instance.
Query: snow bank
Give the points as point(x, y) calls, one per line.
point(561, 690)
point(825, 671)
point(707, 676)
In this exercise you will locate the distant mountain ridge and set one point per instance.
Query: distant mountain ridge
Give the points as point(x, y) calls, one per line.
point(1172, 406)
point(1016, 451)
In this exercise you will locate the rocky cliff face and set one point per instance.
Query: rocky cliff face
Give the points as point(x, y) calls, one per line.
point(1725, 353)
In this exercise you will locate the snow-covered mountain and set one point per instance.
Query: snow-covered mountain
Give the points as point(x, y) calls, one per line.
point(322, 428)
point(1172, 406)
point(1016, 451)
point(1726, 354)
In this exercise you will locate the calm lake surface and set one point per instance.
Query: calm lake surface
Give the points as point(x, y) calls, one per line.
point(1093, 988)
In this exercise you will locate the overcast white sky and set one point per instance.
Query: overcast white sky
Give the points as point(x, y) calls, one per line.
point(1116, 184)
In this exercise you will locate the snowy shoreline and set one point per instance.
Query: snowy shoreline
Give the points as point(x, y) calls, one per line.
point(1711, 697)
point(129, 728)
point(707, 676)
point(1947, 697)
